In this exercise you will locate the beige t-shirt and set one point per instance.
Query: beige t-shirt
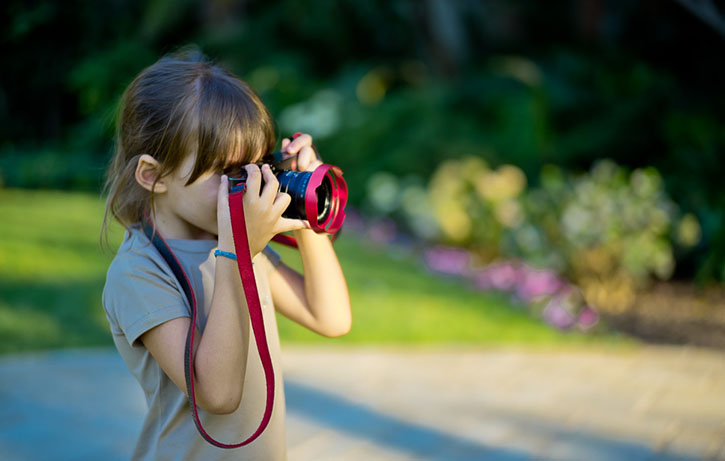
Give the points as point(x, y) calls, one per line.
point(140, 293)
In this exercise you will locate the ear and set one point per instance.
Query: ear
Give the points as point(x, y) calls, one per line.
point(147, 170)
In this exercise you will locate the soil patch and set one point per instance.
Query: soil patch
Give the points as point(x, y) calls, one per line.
point(676, 313)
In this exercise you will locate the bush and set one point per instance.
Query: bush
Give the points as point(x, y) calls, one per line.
point(608, 231)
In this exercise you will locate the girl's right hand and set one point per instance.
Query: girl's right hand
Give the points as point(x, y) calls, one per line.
point(263, 211)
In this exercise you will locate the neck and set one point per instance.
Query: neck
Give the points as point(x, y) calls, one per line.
point(171, 226)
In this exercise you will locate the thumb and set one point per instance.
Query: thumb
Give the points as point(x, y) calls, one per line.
point(223, 191)
point(222, 201)
point(286, 225)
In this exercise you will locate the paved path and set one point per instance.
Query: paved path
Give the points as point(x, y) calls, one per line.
point(401, 404)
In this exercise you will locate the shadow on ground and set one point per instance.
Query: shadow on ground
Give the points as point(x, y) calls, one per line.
point(85, 404)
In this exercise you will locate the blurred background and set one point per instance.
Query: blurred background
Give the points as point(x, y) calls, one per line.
point(497, 139)
point(521, 173)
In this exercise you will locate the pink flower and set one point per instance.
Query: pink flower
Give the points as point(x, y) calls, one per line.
point(502, 277)
point(557, 315)
point(354, 221)
point(448, 260)
point(588, 317)
point(536, 283)
point(383, 231)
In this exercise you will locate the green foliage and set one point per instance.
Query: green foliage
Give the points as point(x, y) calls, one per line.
point(51, 270)
point(612, 230)
point(50, 168)
point(394, 86)
point(608, 231)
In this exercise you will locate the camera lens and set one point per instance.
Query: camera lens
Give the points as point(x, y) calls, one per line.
point(324, 197)
point(330, 195)
point(296, 184)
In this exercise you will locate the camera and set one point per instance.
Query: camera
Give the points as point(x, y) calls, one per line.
point(318, 196)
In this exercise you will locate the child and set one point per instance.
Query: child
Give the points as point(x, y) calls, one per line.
point(184, 123)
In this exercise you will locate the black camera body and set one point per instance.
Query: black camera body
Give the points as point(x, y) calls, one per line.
point(319, 196)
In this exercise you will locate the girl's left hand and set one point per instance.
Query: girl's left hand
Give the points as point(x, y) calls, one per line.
point(307, 158)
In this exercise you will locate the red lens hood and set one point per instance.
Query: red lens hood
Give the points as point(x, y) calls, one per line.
point(334, 219)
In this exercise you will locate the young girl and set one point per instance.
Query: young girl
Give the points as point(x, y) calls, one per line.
point(184, 123)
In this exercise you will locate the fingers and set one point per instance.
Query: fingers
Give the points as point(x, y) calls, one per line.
point(222, 197)
point(223, 186)
point(271, 185)
point(222, 200)
point(298, 143)
point(223, 215)
point(286, 225)
point(281, 202)
point(279, 206)
point(307, 159)
point(254, 180)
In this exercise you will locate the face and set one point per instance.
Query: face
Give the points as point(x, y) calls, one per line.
point(191, 210)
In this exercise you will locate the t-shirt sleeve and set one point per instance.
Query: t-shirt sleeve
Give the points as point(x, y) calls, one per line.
point(140, 295)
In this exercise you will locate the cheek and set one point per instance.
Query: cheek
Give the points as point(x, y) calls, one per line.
point(210, 193)
point(213, 187)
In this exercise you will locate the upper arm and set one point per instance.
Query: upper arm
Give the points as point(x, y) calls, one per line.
point(145, 302)
point(167, 344)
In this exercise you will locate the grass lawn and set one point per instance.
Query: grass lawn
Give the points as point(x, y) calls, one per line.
point(52, 273)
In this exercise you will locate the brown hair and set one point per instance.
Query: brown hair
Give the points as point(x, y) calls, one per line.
point(181, 105)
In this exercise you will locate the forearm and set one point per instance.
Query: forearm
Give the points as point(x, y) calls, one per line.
point(221, 357)
point(325, 288)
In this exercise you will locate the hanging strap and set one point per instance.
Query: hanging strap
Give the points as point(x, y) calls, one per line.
point(291, 242)
point(244, 262)
point(286, 240)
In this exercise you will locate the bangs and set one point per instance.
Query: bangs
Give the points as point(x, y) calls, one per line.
point(182, 105)
point(234, 127)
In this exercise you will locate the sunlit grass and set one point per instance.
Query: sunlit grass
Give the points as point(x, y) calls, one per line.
point(52, 272)
point(396, 300)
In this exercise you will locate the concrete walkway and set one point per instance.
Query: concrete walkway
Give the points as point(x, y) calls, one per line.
point(400, 404)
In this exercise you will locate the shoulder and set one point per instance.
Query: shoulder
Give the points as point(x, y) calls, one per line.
point(138, 270)
point(136, 257)
point(140, 290)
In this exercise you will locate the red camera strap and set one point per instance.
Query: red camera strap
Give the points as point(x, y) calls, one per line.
point(249, 284)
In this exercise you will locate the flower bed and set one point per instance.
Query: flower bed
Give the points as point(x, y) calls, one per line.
point(570, 249)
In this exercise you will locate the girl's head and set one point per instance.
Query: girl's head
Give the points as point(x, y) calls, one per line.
point(181, 110)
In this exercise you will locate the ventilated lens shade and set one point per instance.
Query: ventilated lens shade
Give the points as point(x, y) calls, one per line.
point(339, 199)
point(319, 197)
point(329, 221)
point(324, 199)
